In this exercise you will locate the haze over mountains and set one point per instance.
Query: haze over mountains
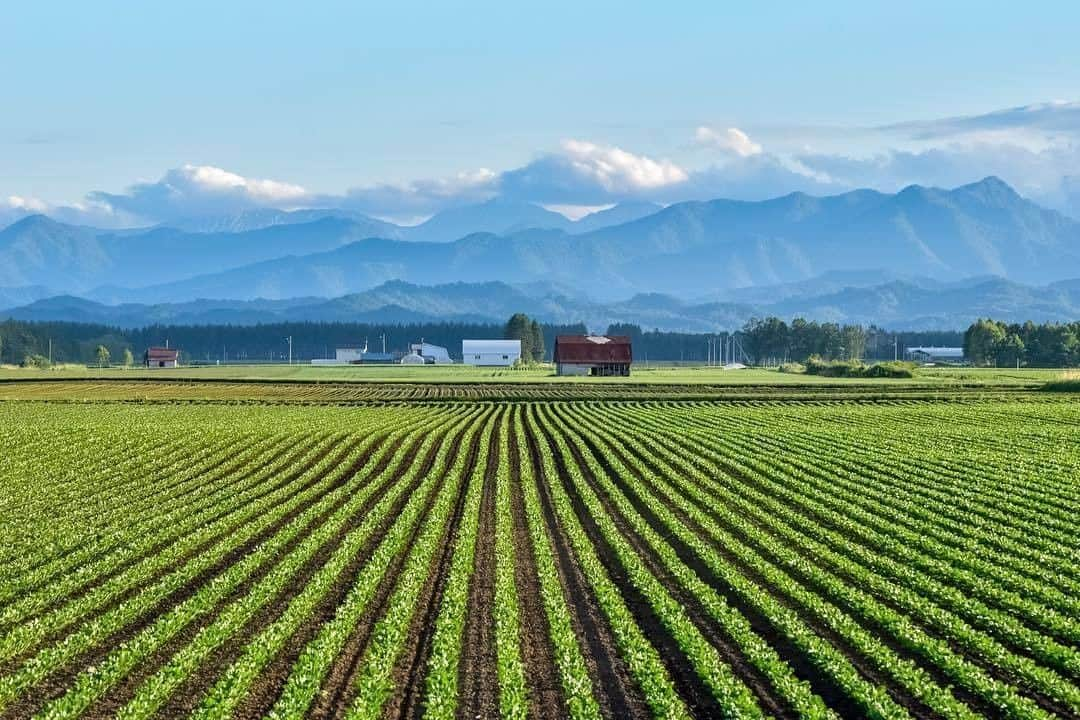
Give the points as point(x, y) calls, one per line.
point(902, 259)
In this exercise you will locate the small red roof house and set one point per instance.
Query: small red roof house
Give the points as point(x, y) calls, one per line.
point(596, 355)
point(159, 357)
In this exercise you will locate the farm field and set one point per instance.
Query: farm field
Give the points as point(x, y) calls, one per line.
point(459, 551)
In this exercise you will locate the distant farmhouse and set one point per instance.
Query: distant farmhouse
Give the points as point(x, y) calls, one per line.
point(954, 355)
point(423, 353)
point(596, 355)
point(355, 355)
point(161, 357)
point(490, 352)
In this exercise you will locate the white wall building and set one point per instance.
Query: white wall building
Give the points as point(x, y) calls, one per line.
point(431, 354)
point(490, 352)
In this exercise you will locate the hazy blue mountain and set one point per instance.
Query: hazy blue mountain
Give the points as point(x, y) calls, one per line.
point(494, 216)
point(909, 304)
point(616, 215)
point(22, 295)
point(720, 249)
point(259, 218)
point(197, 312)
point(40, 251)
point(832, 281)
point(698, 249)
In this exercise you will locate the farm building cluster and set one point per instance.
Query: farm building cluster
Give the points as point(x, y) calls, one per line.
point(581, 355)
point(484, 353)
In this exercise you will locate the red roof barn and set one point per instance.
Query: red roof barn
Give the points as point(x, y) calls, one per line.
point(603, 355)
point(159, 357)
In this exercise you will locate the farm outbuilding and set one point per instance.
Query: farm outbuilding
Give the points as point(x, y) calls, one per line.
point(432, 354)
point(936, 354)
point(597, 355)
point(161, 357)
point(490, 352)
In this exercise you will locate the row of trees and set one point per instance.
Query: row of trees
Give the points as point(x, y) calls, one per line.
point(991, 342)
point(986, 342)
point(79, 342)
point(773, 340)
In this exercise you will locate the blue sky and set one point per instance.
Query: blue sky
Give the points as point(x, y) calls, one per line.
point(399, 109)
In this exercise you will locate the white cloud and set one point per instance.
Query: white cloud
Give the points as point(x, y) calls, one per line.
point(213, 179)
point(200, 190)
point(26, 204)
point(732, 140)
point(417, 199)
point(1035, 148)
point(587, 173)
point(617, 170)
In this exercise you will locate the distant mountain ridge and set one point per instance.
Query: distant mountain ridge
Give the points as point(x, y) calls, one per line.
point(912, 304)
point(720, 249)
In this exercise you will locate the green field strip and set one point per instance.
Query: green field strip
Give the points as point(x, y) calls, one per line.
point(796, 693)
point(92, 684)
point(909, 518)
point(641, 656)
point(374, 681)
point(441, 689)
point(506, 615)
point(1031, 675)
point(934, 650)
point(137, 565)
point(577, 685)
point(311, 667)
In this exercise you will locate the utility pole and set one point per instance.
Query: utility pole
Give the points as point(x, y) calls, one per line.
point(289, 340)
point(895, 348)
point(50, 351)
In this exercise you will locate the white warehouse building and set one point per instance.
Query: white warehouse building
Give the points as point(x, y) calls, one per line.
point(490, 352)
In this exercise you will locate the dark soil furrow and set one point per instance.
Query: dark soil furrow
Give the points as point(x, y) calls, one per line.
point(478, 677)
point(758, 683)
point(337, 691)
point(541, 674)
point(620, 697)
point(691, 688)
point(408, 698)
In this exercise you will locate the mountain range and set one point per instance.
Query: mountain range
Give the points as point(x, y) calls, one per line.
point(860, 255)
point(905, 304)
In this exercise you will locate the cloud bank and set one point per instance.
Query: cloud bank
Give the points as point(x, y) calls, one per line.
point(1035, 148)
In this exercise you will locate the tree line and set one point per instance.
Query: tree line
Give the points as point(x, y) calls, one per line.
point(767, 340)
point(772, 341)
point(994, 343)
point(210, 344)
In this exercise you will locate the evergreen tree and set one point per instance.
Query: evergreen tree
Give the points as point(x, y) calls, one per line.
point(536, 342)
point(519, 327)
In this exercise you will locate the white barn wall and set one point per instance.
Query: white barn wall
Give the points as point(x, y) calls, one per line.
point(490, 353)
